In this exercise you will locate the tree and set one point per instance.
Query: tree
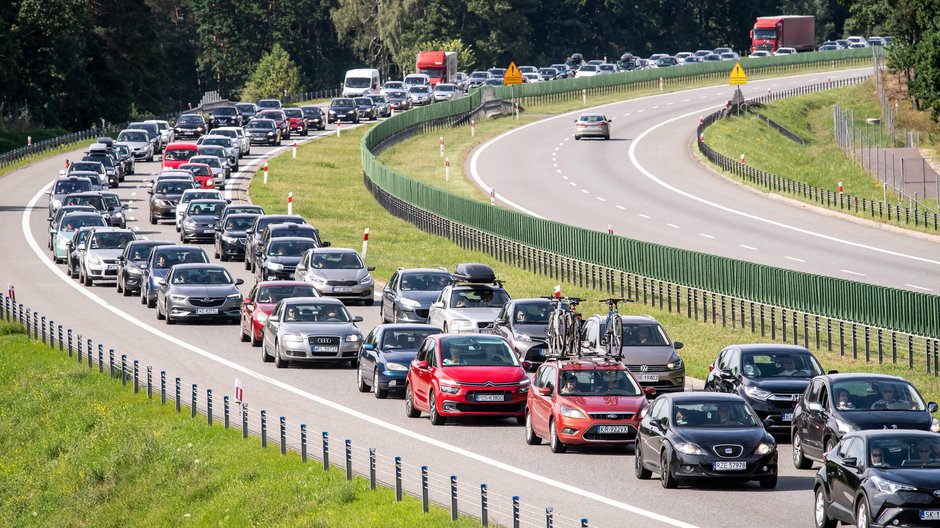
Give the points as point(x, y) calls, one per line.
point(276, 76)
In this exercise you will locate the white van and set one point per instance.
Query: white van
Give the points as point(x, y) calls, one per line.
point(417, 79)
point(361, 82)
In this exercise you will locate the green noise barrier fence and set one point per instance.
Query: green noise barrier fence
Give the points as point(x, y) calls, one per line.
point(573, 253)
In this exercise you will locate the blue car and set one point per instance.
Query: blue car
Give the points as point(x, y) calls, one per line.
point(385, 354)
point(158, 265)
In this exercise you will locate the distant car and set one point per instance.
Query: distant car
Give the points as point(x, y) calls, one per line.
point(225, 116)
point(399, 101)
point(824, 47)
point(343, 109)
point(420, 95)
point(472, 303)
point(247, 111)
point(385, 355)
point(280, 256)
point(338, 273)
point(230, 235)
point(843, 43)
point(392, 86)
point(711, 58)
point(237, 135)
point(102, 249)
point(200, 221)
point(524, 324)
point(64, 187)
point(282, 230)
point(242, 208)
point(408, 294)
point(494, 81)
point(167, 135)
point(60, 213)
point(689, 61)
point(665, 62)
point(94, 199)
point(857, 45)
point(445, 92)
point(69, 224)
point(758, 54)
point(254, 233)
point(298, 124)
point(857, 40)
point(218, 168)
point(785, 51)
point(719, 51)
point(607, 69)
point(176, 154)
point(682, 55)
point(592, 125)
point(229, 148)
point(260, 302)
point(139, 143)
point(730, 56)
point(198, 292)
point(698, 436)
point(587, 70)
point(126, 157)
point(548, 74)
point(702, 52)
point(263, 132)
point(310, 329)
point(366, 108)
point(158, 265)
point(466, 375)
point(132, 263)
point(476, 79)
point(497, 73)
point(76, 250)
point(314, 117)
point(877, 41)
point(165, 195)
point(382, 105)
point(190, 195)
point(269, 104)
point(279, 118)
point(202, 173)
point(190, 126)
point(117, 211)
point(417, 79)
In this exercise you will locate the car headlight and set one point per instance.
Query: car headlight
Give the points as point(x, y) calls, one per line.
point(177, 130)
point(353, 338)
point(450, 388)
point(395, 366)
point(234, 297)
point(274, 266)
point(133, 270)
point(889, 486)
point(571, 412)
point(332, 112)
point(688, 448)
point(462, 324)
point(200, 128)
point(764, 449)
point(522, 337)
point(757, 393)
point(177, 298)
point(189, 223)
point(93, 260)
point(229, 239)
point(845, 427)
point(261, 317)
point(935, 426)
point(677, 364)
point(294, 339)
point(56, 204)
point(366, 280)
point(411, 304)
point(271, 134)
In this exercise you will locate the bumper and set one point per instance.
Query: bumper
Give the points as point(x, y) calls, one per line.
point(229, 249)
point(164, 213)
point(132, 282)
point(774, 411)
point(198, 233)
point(465, 403)
point(532, 352)
point(102, 271)
point(405, 315)
point(282, 274)
point(392, 379)
point(903, 510)
point(349, 116)
point(703, 467)
point(302, 352)
point(316, 123)
point(586, 431)
point(266, 140)
point(229, 310)
point(188, 134)
point(142, 154)
point(347, 293)
point(592, 132)
point(667, 381)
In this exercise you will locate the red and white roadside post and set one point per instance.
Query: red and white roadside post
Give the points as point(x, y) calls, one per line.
point(365, 243)
point(662, 84)
point(473, 128)
point(11, 292)
point(446, 169)
point(840, 187)
point(29, 141)
point(293, 154)
point(290, 203)
point(337, 128)
point(266, 173)
point(238, 390)
point(610, 229)
point(492, 196)
point(557, 292)
point(442, 146)
point(742, 161)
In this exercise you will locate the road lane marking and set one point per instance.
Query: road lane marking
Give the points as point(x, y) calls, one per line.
point(641, 215)
point(622, 208)
point(585, 191)
point(919, 287)
point(794, 259)
point(850, 272)
point(705, 235)
point(602, 199)
point(573, 184)
point(674, 226)
point(563, 176)
point(747, 247)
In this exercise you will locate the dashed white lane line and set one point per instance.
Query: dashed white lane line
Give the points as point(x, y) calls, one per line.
point(655, 107)
point(131, 219)
point(627, 114)
point(670, 103)
point(640, 111)
point(555, 164)
point(136, 228)
point(556, 149)
point(641, 215)
point(794, 259)
point(602, 199)
point(919, 287)
point(674, 226)
point(585, 191)
point(850, 272)
point(134, 193)
point(747, 247)
point(622, 208)
point(567, 139)
point(685, 100)
point(558, 171)
point(563, 176)
point(706, 235)
point(573, 184)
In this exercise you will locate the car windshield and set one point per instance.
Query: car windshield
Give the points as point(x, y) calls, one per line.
point(479, 75)
point(293, 112)
point(289, 248)
point(393, 84)
point(363, 101)
point(260, 125)
point(239, 224)
point(312, 112)
point(70, 223)
point(189, 119)
point(714, 415)
point(777, 364)
point(244, 209)
point(478, 298)
point(198, 170)
point(269, 103)
point(274, 294)
point(212, 161)
point(245, 107)
point(358, 82)
point(199, 195)
point(903, 451)
point(876, 394)
point(379, 99)
point(140, 252)
point(206, 276)
point(111, 200)
point(425, 281)
point(81, 235)
point(593, 118)
point(276, 115)
point(336, 261)
point(178, 154)
point(199, 208)
point(415, 79)
point(227, 133)
point(532, 313)
point(123, 150)
point(105, 159)
point(172, 187)
point(588, 68)
point(342, 102)
point(476, 351)
point(397, 95)
point(171, 257)
point(95, 201)
point(218, 141)
point(225, 111)
point(316, 313)
point(118, 240)
point(90, 166)
point(433, 73)
point(419, 89)
point(644, 334)
point(133, 137)
point(404, 338)
point(597, 383)
point(72, 186)
point(444, 88)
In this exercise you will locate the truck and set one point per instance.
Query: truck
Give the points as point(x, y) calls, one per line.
point(440, 66)
point(771, 33)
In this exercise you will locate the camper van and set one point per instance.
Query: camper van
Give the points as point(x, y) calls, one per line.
point(361, 82)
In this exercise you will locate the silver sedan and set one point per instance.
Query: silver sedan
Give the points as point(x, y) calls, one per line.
point(592, 125)
point(310, 329)
point(197, 292)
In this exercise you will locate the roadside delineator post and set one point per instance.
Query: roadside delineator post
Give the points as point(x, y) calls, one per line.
point(446, 169)
point(442, 146)
point(492, 196)
point(294, 151)
point(473, 129)
point(742, 161)
point(238, 391)
point(610, 229)
point(701, 137)
point(584, 96)
point(290, 203)
point(661, 84)
point(337, 128)
point(365, 242)
point(29, 141)
point(840, 187)
point(11, 292)
point(266, 173)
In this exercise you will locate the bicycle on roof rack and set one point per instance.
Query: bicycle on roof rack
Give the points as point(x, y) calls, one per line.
point(564, 327)
point(613, 327)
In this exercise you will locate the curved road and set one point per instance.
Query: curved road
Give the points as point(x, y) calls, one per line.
point(646, 184)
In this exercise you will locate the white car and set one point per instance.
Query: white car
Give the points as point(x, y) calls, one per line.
point(532, 77)
point(785, 51)
point(472, 303)
point(758, 54)
point(588, 70)
point(236, 133)
point(190, 195)
point(857, 40)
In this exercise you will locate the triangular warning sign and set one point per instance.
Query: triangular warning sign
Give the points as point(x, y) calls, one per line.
point(513, 75)
point(737, 75)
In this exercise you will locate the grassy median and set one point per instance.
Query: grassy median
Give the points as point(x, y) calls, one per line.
point(77, 449)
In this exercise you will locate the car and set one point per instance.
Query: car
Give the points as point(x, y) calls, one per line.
point(310, 329)
point(139, 143)
point(758, 54)
point(116, 210)
point(254, 233)
point(445, 92)
point(390, 86)
point(408, 294)
point(280, 256)
point(689, 61)
point(111, 166)
point(857, 40)
point(242, 208)
point(279, 118)
point(190, 195)
point(702, 53)
point(260, 302)
point(94, 199)
point(167, 135)
point(665, 62)
point(712, 58)
point(577, 401)
point(399, 101)
point(190, 126)
point(225, 116)
point(97, 182)
point(682, 55)
point(132, 263)
point(296, 121)
point(548, 74)
point(383, 107)
point(366, 108)
point(729, 56)
point(279, 230)
point(247, 111)
point(877, 41)
point(494, 81)
point(385, 354)
point(86, 166)
point(824, 47)
point(102, 248)
point(784, 51)
point(338, 273)
point(719, 51)
point(164, 196)
point(218, 169)
point(770, 377)
point(607, 69)
point(194, 292)
point(646, 348)
point(64, 187)
point(153, 132)
point(420, 95)
point(201, 172)
point(313, 115)
point(843, 43)
point(836, 404)
point(69, 224)
point(463, 375)
point(471, 303)
point(880, 478)
point(230, 235)
point(416, 79)
point(564, 72)
point(201, 219)
point(126, 157)
point(238, 136)
point(62, 211)
point(222, 146)
point(697, 436)
point(592, 125)
point(857, 45)
point(476, 79)
point(263, 132)
point(831, 43)
point(587, 70)
point(343, 109)
point(269, 104)
point(524, 324)
point(497, 73)
point(158, 265)
point(177, 154)
point(76, 250)
point(461, 81)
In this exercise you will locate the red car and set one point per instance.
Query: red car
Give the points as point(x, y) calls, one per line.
point(175, 154)
point(295, 117)
point(202, 173)
point(456, 375)
point(584, 401)
point(260, 302)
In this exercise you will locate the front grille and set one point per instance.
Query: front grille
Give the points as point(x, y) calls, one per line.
point(340, 283)
point(612, 416)
point(112, 273)
point(649, 368)
point(786, 397)
point(323, 354)
point(323, 340)
point(206, 302)
point(490, 384)
point(728, 450)
point(109, 261)
point(489, 407)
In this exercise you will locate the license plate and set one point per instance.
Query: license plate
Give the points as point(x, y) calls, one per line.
point(929, 515)
point(787, 417)
point(490, 397)
point(112, 267)
point(326, 349)
point(207, 311)
point(647, 377)
point(342, 289)
point(730, 466)
point(608, 429)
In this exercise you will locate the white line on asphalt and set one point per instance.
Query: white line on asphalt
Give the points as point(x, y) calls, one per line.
point(705, 235)
point(555, 165)
point(685, 100)
point(136, 228)
point(853, 273)
point(674, 226)
point(567, 139)
point(655, 107)
point(558, 171)
point(556, 148)
point(585, 191)
point(794, 259)
point(747, 247)
point(669, 103)
point(640, 111)
point(131, 218)
point(641, 215)
point(627, 114)
point(601, 199)
point(134, 193)
point(563, 176)
point(919, 287)
point(622, 208)
point(573, 184)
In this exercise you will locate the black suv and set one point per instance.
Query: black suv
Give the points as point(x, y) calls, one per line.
point(225, 116)
point(253, 234)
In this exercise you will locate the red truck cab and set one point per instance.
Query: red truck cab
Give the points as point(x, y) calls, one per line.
point(786, 31)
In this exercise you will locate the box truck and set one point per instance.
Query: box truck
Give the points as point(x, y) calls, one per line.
point(440, 66)
point(771, 33)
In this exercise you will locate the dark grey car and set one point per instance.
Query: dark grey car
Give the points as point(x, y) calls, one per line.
point(524, 323)
point(310, 329)
point(197, 292)
point(408, 295)
point(200, 221)
point(132, 264)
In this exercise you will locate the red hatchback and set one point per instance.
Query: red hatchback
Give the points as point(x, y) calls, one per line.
point(583, 401)
point(456, 375)
point(295, 117)
point(176, 154)
point(201, 172)
point(260, 302)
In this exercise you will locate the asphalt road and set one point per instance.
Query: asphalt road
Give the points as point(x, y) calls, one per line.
point(646, 184)
point(595, 484)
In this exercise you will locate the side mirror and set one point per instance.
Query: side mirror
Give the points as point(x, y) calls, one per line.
point(370, 268)
point(326, 244)
point(121, 258)
point(833, 372)
point(274, 318)
point(368, 346)
point(850, 462)
point(239, 282)
point(816, 407)
point(545, 391)
point(932, 407)
point(649, 391)
point(422, 364)
point(768, 423)
point(160, 282)
point(726, 374)
point(664, 422)
point(438, 304)
point(501, 321)
point(677, 345)
point(48, 193)
point(644, 411)
point(357, 319)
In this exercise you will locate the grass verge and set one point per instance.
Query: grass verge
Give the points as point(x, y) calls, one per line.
point(11, 139)
point(42, 155)
point(78, 450)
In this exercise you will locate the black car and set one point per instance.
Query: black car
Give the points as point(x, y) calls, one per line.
point(111, 166)
point(247, 111)
point(382, 106)
point(230, 235)
point(253, 234)
point(880, 478)
point(190, 126)
point(132, 263)
point(242, 208)
point(770, 377)
point(836, 404)
point(704, 436)
point(399, 101)
point(524, 323)
point(367, 108)
point(343, 109)
point(385, 355)
point(279, 230)
point(225, 116)
point(279, 258)
point(263, 132)
point(280, 120)
point(408, 295)
point(116, 210)
point(164, 196)
point(314, 117)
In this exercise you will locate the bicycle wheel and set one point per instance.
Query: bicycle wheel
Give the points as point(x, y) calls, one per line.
point(572, 331)
point(615, 340)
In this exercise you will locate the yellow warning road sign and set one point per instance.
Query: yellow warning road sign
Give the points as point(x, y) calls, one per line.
point(737, 75)
point(513, 75)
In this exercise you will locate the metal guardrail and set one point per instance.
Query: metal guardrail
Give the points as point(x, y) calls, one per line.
point(780, 128)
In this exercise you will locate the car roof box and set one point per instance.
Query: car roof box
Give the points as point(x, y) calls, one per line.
point(475, 273)
point(105, 140)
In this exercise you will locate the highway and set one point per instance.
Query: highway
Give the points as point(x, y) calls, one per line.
point(597, 484)
point(646, 184)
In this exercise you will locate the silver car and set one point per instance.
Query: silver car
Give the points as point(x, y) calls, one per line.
point(420, 95)
point(231, 146)
point(337, 272)
point(467, 307)
point(167, 134)
point(197, 292)
point(102, 249)
point(238, 134)
point(310, 329)
point(592, 125)
point(139, 143)
point(445, 92)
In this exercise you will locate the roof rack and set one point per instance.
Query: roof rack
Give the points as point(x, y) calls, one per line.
point(470, 273)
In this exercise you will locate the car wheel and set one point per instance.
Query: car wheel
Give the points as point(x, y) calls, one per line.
point(244, 337)
point(606, 138)
point(641, 472)
point(382, 312)
point(446, 331)
point(279, 361)
point(577, 138)
point(143, 298)
point(530, 437)
point(799, 458)
point(379, 392)
point(151, 303)
point(436, 418)
point(370, 302)
point(830, 444)
point(153, 219)
point(120, 287)
point(819, 511)
point(255, 342)
point(159, 314)
point(87, 279)
point(247, 263)
point(216, 252)
point(769, 482)
point(553, 441)
point(410, 410)
point(668, 481)
point(169, 320)
point(862, 516)
point(361, 382)
point(264, 354)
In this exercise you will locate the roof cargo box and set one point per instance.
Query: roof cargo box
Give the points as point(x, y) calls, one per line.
point(476, 273)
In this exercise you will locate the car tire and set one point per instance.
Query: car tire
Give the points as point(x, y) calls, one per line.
point(668, 481)
point(410, 410)
point(169, 320)
point(151, 303)
point(820, 516)
point(638, 468)
point(120, 287)
point(264, 354)
point(530, 437)
point(606, 138)
point(830, 445)
point(255, 342)
point(577, 138)
point(247, 263)
point(153, 219)
point(553, 441)
point(243, 337)
point(769, 482)
point(799, 458)
point(87, 279)
point(377, 389)
point(436, 418)
point(370, 302)
point(279, 361)
point(862, 513)
point(382, 312)
point(159, 314)
point(361, 382)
